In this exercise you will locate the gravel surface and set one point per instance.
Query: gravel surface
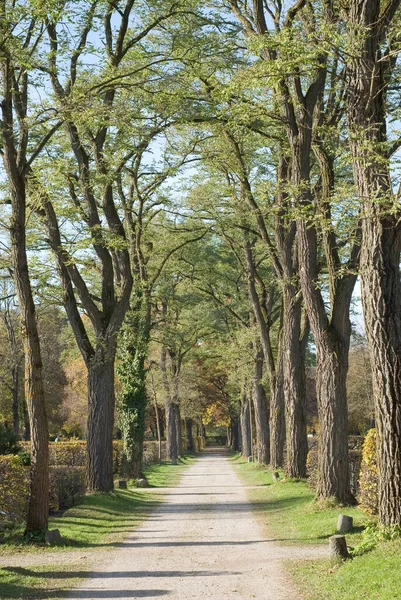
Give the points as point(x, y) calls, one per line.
point(203, 542)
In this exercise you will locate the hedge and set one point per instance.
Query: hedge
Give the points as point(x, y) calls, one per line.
point(66, 475)
point(355, 457)
point(14, 489)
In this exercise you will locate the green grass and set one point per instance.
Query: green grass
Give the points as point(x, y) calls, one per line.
point(367, 577)
point(98, 522)
point(40, 583)
point(288, 509)
point(289, 513)
point(159, 476)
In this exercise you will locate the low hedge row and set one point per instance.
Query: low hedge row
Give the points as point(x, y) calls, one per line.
point(66, 485)
point(66, 474)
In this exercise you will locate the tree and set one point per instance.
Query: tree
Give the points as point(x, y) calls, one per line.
point(19, 151)
point(373, 39)
point(304, 109)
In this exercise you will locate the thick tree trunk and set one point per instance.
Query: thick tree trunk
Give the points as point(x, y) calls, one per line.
point(15, 405)
point(189, 435)
point(246, 443)
point(101, 402)
point(331, 375)
point(172, 448)
point(381, 298)
point(381, 238)
point(261, 413)
point(277, 420)
point(294, 386)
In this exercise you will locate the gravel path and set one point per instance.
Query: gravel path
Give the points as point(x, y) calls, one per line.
point(203, 542)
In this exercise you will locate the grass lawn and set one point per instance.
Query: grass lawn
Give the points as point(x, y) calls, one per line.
point(289, 513)
point(40, 582)
point(373, 575)
point(98, 522)
point(288, 509)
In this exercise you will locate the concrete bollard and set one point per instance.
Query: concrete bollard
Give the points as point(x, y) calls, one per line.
point(344, 523)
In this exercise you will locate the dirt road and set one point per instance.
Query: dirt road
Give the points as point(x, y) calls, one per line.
point(203, 542)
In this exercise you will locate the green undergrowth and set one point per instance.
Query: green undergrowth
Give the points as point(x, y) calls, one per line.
point(288, 508)
point(159, 476)
point(375, 574)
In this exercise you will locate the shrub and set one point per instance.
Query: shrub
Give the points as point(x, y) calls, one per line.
point(8, 441)
point(150, 454)
point(66, 485)
point(14, 489)
point(368, 478)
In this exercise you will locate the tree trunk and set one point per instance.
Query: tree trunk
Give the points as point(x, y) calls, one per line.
point(381, 238)
point(381, 299)
point(15, 405)
point(38, 508)
point(178, 428)
point(331, 375)
point(246, 443)
point(190, 439)
point(235, 442)
point(101, 402)
point(261, 413)
point(161, 425)
point(172, 449)
point(229, 436)
point(277, 422)
point(26, 434)
point(294, 386)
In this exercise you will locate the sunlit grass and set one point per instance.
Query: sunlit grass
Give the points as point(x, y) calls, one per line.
point(40, 583)
point(291, 513)
point(367, 577)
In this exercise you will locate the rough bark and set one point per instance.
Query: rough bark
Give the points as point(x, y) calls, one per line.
point(172, 448)
point(101, 403)
point(277, 419)
point(294, 384)
point(331, 375)
point(246, 443)
point(189, 435)
point(178, 428)
point(368, 73)
point(261, 413)
point(332, 339)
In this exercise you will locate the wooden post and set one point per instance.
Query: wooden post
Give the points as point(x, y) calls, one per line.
point(338, 548)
